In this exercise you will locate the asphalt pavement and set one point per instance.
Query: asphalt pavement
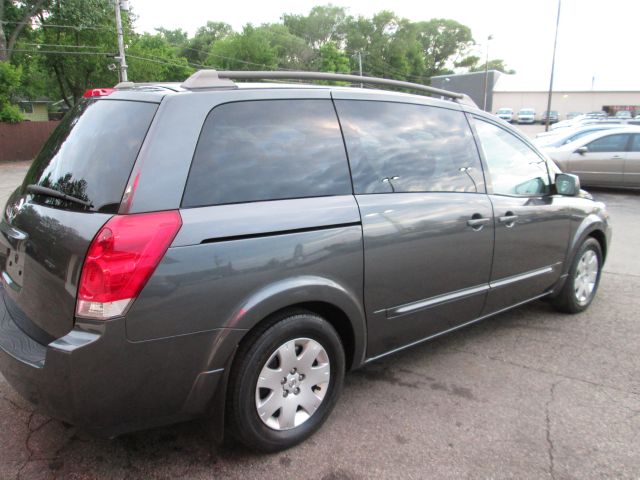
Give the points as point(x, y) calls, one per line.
point(527, 394)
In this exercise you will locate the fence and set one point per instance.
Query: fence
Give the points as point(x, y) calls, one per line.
point(22, 141)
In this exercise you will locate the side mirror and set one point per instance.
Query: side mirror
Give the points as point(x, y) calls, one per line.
point(567, 184)
point(582, 150)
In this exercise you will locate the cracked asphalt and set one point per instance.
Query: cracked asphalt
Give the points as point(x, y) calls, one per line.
point(527, 394)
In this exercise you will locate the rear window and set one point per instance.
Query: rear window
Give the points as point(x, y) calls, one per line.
point(91, 153)
point(268, 150)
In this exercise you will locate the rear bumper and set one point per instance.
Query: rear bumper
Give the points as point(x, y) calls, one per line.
point(98, 380)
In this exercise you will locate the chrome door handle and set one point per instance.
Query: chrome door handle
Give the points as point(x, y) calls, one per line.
point(509, 219)
point(477, 222)
point(617, 157)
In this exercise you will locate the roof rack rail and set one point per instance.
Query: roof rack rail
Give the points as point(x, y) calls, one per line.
point(222, 79)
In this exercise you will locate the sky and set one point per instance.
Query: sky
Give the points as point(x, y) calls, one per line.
point(597, 39)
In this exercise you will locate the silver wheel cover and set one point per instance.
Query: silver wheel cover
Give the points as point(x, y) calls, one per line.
point(586, 276)
point(292, 384)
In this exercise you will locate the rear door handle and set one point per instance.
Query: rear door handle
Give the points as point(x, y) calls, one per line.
point(477, 222)
point(509, 219)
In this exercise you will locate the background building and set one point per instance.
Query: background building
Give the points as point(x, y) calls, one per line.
point(35, 110)
point(473, 84)
point(514, 92)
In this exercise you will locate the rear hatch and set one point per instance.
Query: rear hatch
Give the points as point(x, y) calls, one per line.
point(74, 186)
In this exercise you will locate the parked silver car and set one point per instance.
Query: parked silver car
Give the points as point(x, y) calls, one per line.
point(609, 158)
point(565, 136)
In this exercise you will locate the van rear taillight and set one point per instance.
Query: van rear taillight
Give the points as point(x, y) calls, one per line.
point(121, 258)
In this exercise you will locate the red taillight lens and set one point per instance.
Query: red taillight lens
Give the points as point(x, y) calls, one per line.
point(120, 260)
point(98, 92)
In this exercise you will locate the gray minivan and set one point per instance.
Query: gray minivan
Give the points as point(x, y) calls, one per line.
point(232, 249)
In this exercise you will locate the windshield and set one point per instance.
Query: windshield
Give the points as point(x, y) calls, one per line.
point(526, 112)
point(90, 155)
point(505, 110)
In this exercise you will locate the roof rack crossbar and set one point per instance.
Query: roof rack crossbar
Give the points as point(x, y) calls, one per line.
point(215, 78)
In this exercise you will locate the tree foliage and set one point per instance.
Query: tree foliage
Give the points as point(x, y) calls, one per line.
point(9, 85)
point(63, 47)
point(153, 58)
point(82, 67)
point(495, 64)
point(15, 17)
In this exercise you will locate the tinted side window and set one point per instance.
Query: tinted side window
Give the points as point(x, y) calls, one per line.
point(268, 150)
point(515, 168)
point(610, 143)
point(635, 144)
point(579, 135)
point(396, 147)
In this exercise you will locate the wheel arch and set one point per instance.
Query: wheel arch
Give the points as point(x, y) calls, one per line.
point(338, 305)
point(592, 226)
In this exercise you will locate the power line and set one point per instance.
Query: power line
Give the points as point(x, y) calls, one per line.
point(163, 62)
point(233, 59)
point(52, 25)
point(58, 52)
point(56, 45)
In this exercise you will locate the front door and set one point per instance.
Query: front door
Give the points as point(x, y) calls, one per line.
point(427, 221)
point(603, 162)
point(532, 226)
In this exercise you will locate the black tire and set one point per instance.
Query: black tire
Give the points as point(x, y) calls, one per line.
point(567, 300)
point(244, 422)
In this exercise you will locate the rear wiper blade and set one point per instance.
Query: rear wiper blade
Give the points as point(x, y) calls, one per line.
point(50, 192)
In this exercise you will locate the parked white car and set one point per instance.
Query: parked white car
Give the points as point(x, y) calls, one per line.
point(526, 115)
point(505, 114)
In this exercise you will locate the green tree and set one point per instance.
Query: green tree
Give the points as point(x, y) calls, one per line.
point(177, 38)
point(323, 24)
point(249, 50)
point(15, 17)
point(292, 52)
point(332, 59)
point(196, 50)
point(9, 85)
point(152, 58)
point(495, 64)
point(85, 51)
point(444, 42)
point(376, 40)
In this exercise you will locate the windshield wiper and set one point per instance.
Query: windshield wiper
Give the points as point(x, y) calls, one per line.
point(50, 192)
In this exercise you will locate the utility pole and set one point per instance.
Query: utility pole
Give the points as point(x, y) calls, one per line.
point(553, 66)
point(486, 74)
point(359, 54)
point(123, 63)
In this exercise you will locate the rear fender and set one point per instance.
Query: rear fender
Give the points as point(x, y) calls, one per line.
point(299, 290)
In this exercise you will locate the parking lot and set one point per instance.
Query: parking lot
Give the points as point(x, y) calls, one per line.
point(527, 394)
